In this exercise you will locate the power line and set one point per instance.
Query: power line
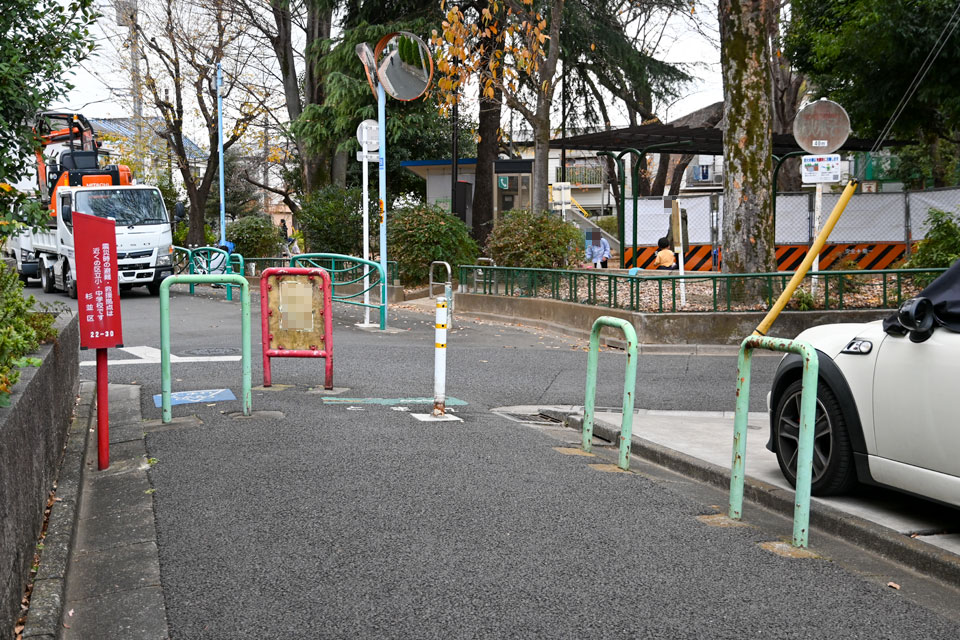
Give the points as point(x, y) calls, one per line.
point(948, 30)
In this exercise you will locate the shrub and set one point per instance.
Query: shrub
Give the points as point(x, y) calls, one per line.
point(803, 300)
point(332, 221)
point(420, 234)
point(608, 224)
point(255, 237)
point(535, 240)
point(21, 330)
point(939, 248)
point(180, 235)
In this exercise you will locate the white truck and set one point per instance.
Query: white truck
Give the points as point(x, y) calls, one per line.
point(70, 178)
point(144, 241)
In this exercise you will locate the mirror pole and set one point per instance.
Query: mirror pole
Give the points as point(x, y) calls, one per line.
point(382, 122)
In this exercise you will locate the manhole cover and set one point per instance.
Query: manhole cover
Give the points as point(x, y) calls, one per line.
point(212, 351)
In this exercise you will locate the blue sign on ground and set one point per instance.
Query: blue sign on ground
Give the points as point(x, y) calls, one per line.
point(200, 395)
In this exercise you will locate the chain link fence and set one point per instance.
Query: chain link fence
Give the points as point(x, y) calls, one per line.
point(875, 231)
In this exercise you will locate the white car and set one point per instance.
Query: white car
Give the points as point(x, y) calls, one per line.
point(888, 403)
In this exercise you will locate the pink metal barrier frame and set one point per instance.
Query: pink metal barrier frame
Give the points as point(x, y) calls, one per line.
point(327, 352)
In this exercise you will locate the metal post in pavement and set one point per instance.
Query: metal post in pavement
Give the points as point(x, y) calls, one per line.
point(440, 360)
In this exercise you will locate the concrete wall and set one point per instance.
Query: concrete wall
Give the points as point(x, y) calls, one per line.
point(652, 328)
point(33, 431)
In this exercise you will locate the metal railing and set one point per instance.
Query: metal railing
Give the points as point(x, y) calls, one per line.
point(853, 289)
point(393, 269)
point(202, 260)
point(629, 383)
point(349, 270)
point(447, 284)
point(165, 380)
point(808, 411)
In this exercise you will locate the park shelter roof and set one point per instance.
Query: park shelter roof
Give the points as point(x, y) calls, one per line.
point(680, 139)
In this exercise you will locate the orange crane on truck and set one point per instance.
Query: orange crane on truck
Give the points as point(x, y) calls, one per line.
point(78, 163)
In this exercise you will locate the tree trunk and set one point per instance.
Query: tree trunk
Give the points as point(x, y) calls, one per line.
point(483, 190)
point(786, 86)
point(748, 239)
point(316, 165)
point(541, 162)
point(339, 172)
point(937, 168)
point(676, 178)
point(660, 182)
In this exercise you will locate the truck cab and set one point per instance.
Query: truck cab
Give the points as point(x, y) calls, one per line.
point(144, 241)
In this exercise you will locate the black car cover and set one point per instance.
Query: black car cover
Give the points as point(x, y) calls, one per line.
point(944, 293)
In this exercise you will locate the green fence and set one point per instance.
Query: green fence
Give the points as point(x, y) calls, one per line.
point(346, 279)
point(833, 290)
point(205, 260)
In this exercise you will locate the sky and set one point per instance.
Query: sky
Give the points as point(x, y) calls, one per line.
point(102, 90)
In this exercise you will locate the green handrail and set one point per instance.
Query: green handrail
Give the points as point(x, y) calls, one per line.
point(808, 413)
point(235, 279)
point(328, 261)
point(629, 384)
point(207, 253)
point(483, 277)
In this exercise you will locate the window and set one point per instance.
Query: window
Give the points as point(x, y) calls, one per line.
point(127, 206)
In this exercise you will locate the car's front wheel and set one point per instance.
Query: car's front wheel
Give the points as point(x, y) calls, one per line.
point(833, 467)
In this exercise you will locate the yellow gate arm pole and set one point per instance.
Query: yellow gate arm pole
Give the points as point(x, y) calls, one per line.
point(801, 272)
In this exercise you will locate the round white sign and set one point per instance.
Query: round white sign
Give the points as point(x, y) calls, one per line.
point(821, 127)
point(369, 133)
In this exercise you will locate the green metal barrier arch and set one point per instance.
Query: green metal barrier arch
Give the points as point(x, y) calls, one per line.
point(629, 384)
point(350, 271)
point(165, 383)
point(808, 412)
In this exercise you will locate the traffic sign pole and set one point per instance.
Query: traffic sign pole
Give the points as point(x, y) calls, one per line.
point(103, 411)
point(366, 232)
point(382, 135)
point(817, 209)
point(366, 134)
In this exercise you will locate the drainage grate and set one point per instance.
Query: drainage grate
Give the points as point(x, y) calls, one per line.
point(530, 418)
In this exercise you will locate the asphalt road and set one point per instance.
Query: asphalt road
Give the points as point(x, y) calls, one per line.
point(339, 522)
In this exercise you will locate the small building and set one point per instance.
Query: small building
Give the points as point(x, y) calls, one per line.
point(512, 177)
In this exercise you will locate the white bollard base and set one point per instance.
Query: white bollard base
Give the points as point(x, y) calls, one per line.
point(429, 417)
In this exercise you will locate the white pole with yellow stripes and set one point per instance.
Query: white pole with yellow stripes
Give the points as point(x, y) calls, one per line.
point(440, 360)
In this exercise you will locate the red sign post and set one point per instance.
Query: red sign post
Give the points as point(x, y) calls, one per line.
point(98, 298)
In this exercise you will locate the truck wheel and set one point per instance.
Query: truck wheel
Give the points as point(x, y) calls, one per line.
point(71, 285)
point(154, 288)
point(46, 280)
point(23, 278)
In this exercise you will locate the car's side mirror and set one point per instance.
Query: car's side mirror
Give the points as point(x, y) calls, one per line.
point(916, 316)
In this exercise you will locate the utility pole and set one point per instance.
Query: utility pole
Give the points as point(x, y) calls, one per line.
point(127, 17)
point(265, 178)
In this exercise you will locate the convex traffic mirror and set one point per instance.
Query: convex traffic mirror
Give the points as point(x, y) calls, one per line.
point(404, 65)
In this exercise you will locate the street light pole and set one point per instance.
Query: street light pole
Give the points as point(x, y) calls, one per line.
point(223, 215)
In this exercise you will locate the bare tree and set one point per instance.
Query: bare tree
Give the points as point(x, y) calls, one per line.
point(787, 85)
point(184, 42)
point(296, 32)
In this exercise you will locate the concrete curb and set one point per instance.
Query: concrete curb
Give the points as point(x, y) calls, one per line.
point(919, 556)
point(617, 343)
point(49, 587)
